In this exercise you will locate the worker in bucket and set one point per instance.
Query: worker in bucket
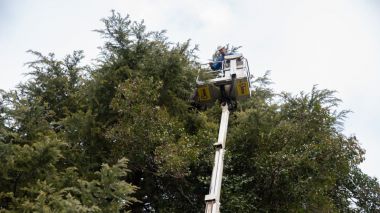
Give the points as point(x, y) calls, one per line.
point(217, 64)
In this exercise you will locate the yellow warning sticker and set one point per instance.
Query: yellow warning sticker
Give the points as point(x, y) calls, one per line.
point(204, 93)
point(242, 88)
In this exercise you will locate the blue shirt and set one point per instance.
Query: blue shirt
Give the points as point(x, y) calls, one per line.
point(217, 64)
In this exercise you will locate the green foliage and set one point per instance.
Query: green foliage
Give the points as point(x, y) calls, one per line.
point(67, 192)
point(290, 156)
point(66, 133)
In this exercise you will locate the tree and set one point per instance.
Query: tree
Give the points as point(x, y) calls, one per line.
point(38, 170)
point(289, 155)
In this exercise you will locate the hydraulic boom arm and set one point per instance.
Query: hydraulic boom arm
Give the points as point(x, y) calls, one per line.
point(213, 198)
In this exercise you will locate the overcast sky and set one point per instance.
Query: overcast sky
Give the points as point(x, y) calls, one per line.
point(332, 43)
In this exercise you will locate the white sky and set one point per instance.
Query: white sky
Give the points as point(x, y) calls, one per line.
point(332, 43)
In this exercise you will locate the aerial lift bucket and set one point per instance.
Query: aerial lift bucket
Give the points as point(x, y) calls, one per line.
point(230, 83)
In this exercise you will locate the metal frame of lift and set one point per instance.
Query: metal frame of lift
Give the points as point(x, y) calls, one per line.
point(213, 198)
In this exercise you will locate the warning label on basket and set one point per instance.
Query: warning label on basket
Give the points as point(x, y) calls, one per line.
point(204, 93)
point(242, 88)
